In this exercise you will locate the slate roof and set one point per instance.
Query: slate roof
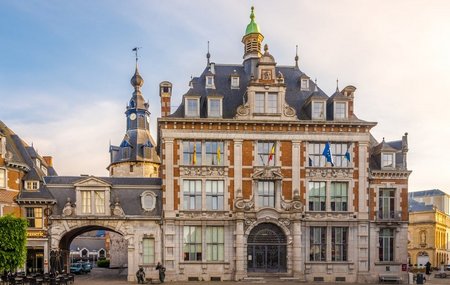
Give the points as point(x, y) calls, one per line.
point(416, 206)
point(233, 98)
point(424, 193)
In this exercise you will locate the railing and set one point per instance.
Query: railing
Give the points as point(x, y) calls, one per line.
point(388, 216)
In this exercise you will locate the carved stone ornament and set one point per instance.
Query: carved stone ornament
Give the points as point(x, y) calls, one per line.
point(117, 209)
point(241, 204)
point(204, 170)
point(288, 111)
point(243, 110)
point(267, 173)
point(68, 209)
point(292, 205)
point(285, 222)
point(328, 172)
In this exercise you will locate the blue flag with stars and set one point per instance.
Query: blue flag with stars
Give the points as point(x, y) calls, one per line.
point(327, 153)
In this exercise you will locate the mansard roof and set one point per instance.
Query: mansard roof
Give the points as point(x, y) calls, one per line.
point(425, 193)
point(416, 206)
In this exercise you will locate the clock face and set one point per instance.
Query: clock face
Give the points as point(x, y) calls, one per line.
point(133, 116)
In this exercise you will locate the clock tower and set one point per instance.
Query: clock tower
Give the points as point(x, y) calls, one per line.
point(136, 155)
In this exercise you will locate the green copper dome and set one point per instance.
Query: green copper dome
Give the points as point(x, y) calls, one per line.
point(252, 27)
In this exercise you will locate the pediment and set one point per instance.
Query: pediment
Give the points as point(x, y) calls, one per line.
point(267, 173)
point(91, 181)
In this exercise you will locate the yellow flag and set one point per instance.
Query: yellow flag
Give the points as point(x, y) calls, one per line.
point(218, 153)
point(194, 156)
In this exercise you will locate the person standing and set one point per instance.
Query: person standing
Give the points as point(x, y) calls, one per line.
point(140, 275)
point(428, 268)
point(162, 271)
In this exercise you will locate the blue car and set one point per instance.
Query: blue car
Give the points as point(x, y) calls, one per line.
point(76, 268)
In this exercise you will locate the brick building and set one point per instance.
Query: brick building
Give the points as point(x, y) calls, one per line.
point(264, 174)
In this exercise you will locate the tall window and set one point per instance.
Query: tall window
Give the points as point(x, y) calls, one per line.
point(386, 203)
point(266, 102)
point(304, 84)
point(266, 194)
point(86, 202)
point(192, 153)
point(386, 244)
point(339, 243)
point(340, 110)
point(192, 107)
point(99, 198)
point(215, 243)
point(148, 250)
point(318, 243)
point(2, 178)
point(339, 196)
point(192, 194)
point(214, 109)
point(318, 110)
point(317, 196)
point(234, 82)
point(266, 153)
point(214, 153)
point(34, 217)
point(339, 151)
point(387, 160)
point(214, 194)
point(259, 103)
point(192, 243)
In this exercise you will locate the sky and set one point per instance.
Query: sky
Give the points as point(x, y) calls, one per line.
point(65, 67)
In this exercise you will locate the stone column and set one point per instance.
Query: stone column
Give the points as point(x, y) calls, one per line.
point(362, 179)
point(241, 259)
point(297, 247)
point(237, 164)
point(168, 181)
point(132, 262)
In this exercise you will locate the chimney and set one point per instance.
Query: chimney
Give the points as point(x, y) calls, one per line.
point(48, 160)
point(349, 92)
point(165, 92)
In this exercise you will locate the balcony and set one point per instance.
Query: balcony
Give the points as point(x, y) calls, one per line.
point(388, 216)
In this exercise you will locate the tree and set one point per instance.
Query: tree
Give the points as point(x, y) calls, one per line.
point(13, 238)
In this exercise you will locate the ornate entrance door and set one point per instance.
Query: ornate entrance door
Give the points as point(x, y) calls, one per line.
point(266, 249)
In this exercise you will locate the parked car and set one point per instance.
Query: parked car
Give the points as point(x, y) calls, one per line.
point(87, 267)
point(76, 268)
point(447, 267)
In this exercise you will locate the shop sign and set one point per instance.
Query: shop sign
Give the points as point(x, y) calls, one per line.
point(36, 234)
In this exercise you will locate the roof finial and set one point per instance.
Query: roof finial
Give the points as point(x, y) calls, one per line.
point(208, 55)
point(296, 55)
point(337, 84)
point(136, 54)
point(136, 80)
point(252, 15)
point(315, 87)
point(266, 48)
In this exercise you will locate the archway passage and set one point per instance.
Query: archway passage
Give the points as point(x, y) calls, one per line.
point(266, 249)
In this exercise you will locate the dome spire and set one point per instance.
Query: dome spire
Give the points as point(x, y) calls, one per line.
point(252, 27)
point(208, 55)
point(137, 81)
point(296, 56)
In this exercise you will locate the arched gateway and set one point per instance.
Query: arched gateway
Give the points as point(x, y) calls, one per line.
point(266, 249)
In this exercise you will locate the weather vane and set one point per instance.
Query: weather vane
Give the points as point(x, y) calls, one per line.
point(136, 52)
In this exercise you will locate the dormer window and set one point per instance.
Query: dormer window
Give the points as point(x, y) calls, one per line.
point(234, 82)
point(266, 103)
point(209, 82)
point(387, 160)
point(38, 163)
point(318, 110)
point(192, 107)
point(340, 110)
point(44, 170)
point(31, 185)
point(214, 107)
point(304, 84)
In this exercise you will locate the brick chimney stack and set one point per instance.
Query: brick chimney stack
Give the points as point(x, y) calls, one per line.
point(48, 160)
point(165, 92)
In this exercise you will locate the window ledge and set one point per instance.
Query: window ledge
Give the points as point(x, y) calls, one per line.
point(203, 262)
point(328, 262)
point(267, 114)
point(387, 263)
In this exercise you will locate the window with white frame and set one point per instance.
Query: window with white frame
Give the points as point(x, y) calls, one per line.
point(339, 243)
point(214, 194)
point(2, 178)
point(340, 110)
point(214, 152)
point(339, 196)
point(209, 81)
point(214, 107)
point(386, 244)
point(387, 160)
point(192, 107)
point(148, 250)
point(44, 170)
point(192, 243)
point(266, 102)
point(31, 185)
point(304, 84)
point(266, 194)
point(266, 153)
point(93, 202)
point(192, 194)
point(192, 153)
point(386, 203)
point(340, 153)
point(38, 163)
point(317, 196)
point(318, 243)
point(215, 245)
point(34, 217)
point(318, 111)
point(234, 82)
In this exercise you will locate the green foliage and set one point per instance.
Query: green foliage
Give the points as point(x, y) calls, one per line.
point(103, 263)
point(13, 239)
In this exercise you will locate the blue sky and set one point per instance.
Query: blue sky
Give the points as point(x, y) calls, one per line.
point(65, 66)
